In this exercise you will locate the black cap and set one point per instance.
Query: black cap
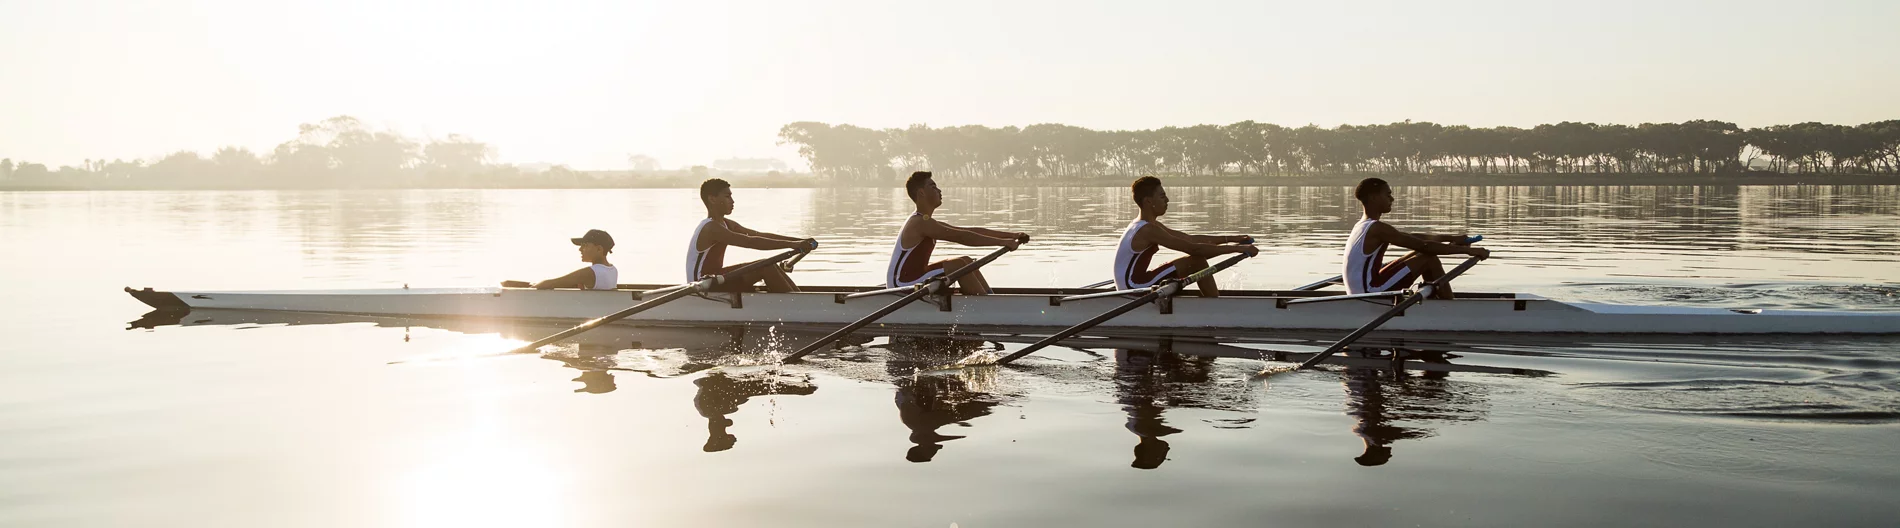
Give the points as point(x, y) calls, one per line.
point(596, 237)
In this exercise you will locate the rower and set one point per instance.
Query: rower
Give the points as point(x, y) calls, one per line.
point(598, 275)
point(706, 250)
point(1366, 271)
point(910, 259)
point(1146, 236)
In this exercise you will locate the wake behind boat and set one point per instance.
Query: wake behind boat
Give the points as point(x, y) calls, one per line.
point(1046, 307)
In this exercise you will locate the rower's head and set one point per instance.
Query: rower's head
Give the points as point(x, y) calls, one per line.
point(1149, 196)
point(1375, 195)
point(717, 195)
point(923, 190)
point(595, 245)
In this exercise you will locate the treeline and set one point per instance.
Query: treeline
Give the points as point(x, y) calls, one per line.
point(1052, 151)
point(340, 152)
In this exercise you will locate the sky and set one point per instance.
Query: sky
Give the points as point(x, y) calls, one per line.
point(589, 83)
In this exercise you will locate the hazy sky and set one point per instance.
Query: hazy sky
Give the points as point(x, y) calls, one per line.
point(588, 83)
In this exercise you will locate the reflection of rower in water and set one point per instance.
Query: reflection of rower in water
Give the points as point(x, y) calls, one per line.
point(598, 275)
point(1141, 386)
point(928, 401)
point(721, 394)
point(1368, 400)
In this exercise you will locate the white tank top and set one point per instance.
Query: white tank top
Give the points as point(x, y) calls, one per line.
point(1127, 259)
point(1361, 264)
point(605, 277)
point(695, 256)
point(913, 259)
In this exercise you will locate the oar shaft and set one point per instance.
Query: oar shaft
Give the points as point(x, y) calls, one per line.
point(860, 323)
point(937, 284)
point(1091, 323)
point(1388, 315)
point(1165, 289)
point(590, 325)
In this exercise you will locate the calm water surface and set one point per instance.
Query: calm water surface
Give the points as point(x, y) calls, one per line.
point(254, 419)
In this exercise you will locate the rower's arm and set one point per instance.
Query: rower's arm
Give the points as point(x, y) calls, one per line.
point(579, 279)
point(934, 229)
point(732, 237)
point(1185, 243)
point(990, 232)
point(1217, 239)
point(743, 230)
point(1429, 244)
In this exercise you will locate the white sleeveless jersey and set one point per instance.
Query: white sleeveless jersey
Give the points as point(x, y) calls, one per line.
point(1127, 260)
point(695, 257)
point(605, 277)
point(1362, 265)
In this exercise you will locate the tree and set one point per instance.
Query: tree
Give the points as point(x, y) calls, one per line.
point(643, 163)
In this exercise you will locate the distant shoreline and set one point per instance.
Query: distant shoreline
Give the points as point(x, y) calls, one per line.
point(1325, 180)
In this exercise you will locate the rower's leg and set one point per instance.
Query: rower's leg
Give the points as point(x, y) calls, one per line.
point(1427, 266)
point(971, 283)
point(1185, 266)
point(777, 281)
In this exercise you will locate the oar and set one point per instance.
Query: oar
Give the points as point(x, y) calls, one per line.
point(919, 291)
point(1098, 284)
point(1168, 289)
point(1388, 315)
point(1321, 284)
point(667, 294)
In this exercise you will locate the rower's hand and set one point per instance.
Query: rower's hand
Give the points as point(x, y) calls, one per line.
point(1479, 252)
point(1249, 250)
point(1014, 243)
point(811, 244)
point(515, 284)
point(1240, 239)
point(1460, 240)
point(1022, 238)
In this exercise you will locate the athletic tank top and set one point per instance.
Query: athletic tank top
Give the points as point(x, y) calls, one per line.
point(1129, 262)
point(700, 262)
point(1361, 264)
point(605, 277)
point(907, 264)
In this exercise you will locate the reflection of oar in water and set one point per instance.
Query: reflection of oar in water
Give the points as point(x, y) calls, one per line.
point(1165, 289)
point(1389, 314)
point(918, 291)
point(667, 294)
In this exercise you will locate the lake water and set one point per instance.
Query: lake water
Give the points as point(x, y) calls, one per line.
point(249, 419)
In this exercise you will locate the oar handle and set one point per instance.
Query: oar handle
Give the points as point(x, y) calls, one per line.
point(787, 265)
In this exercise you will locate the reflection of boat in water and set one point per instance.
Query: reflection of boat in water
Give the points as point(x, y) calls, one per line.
point(1151, 375)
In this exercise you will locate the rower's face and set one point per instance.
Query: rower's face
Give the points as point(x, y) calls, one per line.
point(592, 252)
point(930, 195)
point(1158, 202)
point(722, 202)
point(1382, 201)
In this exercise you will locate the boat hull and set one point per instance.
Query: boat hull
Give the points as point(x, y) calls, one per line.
point(1258, 310)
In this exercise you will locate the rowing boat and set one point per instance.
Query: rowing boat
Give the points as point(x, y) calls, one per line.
point(1053, 308)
